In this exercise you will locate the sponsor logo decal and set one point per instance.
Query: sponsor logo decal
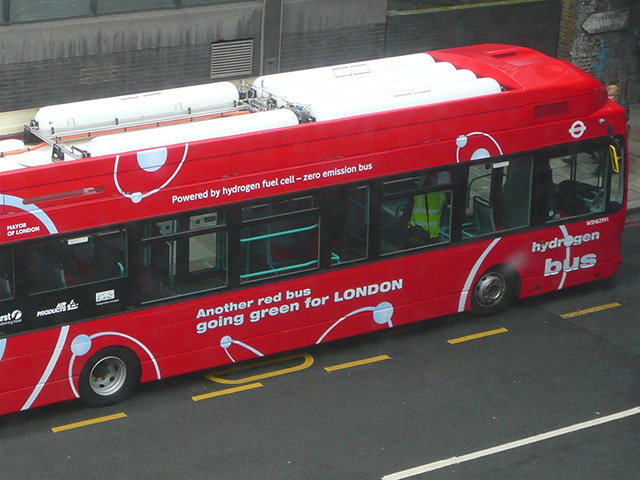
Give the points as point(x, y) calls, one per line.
point(60, 308)
point(108, 296)
point(11, 318)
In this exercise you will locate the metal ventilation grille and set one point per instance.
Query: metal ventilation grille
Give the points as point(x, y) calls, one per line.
point(232, 59)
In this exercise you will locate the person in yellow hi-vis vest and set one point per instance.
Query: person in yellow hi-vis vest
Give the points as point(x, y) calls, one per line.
point(424, 211)
point(427, 212)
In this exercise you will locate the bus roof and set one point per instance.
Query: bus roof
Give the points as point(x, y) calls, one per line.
point(116, 125)
point(542, 78)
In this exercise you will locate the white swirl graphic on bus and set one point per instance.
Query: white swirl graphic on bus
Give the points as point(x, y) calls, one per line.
point(464, 294)
point(227, 341)
point(382, 314)
point(18, 202)
point(81, 345)
point(476, 146)
point(569, 263)
point(62, 338)
point(149, 161)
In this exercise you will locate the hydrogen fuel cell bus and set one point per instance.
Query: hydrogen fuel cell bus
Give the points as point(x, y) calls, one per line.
point(160, 233)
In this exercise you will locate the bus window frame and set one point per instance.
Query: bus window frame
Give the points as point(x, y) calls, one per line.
point(247, 223)
point(71, 303)
point(142, 241)
point(605, 180)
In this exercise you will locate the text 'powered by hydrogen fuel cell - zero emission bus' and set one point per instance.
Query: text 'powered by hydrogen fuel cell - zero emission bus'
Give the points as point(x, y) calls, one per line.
point(151, 235)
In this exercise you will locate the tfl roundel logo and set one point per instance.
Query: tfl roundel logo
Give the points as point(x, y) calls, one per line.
point(577, 129)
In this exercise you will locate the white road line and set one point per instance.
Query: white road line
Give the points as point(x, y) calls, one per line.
point(430, 467)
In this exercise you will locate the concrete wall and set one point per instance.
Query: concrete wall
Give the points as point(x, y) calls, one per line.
point(104, 35)
point(67, 60)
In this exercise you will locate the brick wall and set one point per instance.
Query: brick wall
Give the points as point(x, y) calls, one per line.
point(67, 79)
point(611, 56)
point(76, 59)
point(567, 29)
point(531, 23)
point(327, 32)
point(315, 49)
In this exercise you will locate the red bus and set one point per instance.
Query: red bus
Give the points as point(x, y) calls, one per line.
point(151, 235)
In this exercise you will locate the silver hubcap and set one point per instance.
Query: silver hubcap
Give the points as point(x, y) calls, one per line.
point(490, 289)
point(108, 376)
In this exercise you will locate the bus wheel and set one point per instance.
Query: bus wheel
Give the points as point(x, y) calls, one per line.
point(109, 376)
point(494, 291)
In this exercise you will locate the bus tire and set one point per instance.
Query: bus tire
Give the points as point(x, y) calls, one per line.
point(494, 291)
point(109, 376)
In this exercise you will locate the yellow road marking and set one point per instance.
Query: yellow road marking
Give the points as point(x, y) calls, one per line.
point(477, 335)
point(71, 426)
point(590, 310)
point(357, 363)
point(228, 391)
point(306, 363)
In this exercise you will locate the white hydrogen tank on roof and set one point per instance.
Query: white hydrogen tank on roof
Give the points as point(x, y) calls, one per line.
point(395, 88)
point(134, 109)
point(383, 103)
point(361, 85)
point(269, 84)
point(191, 132)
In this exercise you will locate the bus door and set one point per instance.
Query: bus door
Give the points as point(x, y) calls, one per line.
point(498, 196)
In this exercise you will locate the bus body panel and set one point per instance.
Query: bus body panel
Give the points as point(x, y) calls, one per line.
point(546, 103)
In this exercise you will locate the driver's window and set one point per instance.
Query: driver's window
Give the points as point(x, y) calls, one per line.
point(579, 179)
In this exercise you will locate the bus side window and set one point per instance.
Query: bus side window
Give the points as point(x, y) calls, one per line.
point(106, 256)
point(11, 318)
point(545, 193)
point(46, 272)
point(415, 212)
point(498, 196)
point(6, 289)
point(69, 262)
point(279, 238)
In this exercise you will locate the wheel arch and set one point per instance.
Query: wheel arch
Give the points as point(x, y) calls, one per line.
point(512, 285)
point(121, 368)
